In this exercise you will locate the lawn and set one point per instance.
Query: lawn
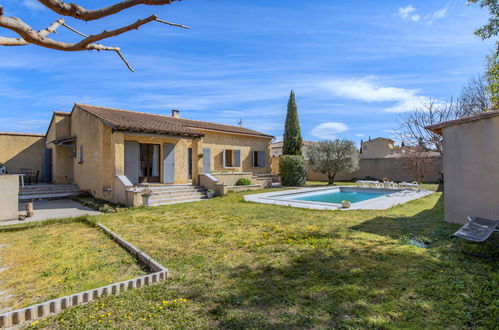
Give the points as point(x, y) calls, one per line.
point(52, 261)
point(236, 264)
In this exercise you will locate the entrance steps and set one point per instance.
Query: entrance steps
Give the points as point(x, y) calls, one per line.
point(173, 194)
point(47, 191)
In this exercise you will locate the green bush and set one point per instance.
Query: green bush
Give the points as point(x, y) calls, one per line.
point(293, 170)
point(243, 182)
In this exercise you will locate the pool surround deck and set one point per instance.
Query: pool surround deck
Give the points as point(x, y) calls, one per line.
point(393, 197)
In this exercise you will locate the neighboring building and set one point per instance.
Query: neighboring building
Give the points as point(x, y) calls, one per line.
point(471, 166)
point(277, 148)
point(105, 151)
point(19, 151)
point(376, 148)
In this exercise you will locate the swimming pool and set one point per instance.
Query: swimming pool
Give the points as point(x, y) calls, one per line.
point(329, 198)
point(338, 195)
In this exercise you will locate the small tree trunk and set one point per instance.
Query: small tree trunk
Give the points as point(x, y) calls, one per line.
point(330, 178)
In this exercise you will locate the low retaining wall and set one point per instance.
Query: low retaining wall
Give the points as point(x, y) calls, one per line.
point(9, 195)
point(52, 307)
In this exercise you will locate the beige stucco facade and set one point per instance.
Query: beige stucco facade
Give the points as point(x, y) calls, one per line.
point(471, 169)
point(9, 194)
point(92, 154)
point(376, 148)
point(21, 151)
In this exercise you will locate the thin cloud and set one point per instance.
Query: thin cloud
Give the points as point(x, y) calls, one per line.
point(439, 14)
point(329, 130)
point(407, 13)
point(367, 90)
point(33, 5)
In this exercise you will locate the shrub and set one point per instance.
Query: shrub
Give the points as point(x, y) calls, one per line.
point(293, 170)
point(243, 182)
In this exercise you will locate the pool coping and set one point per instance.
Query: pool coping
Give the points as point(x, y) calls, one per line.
point(398, 196)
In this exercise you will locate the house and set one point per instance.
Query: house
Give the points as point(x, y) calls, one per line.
point(376, 148)
point(110, 152)
point(278, 146)
point(19, 150)
point(471, 166)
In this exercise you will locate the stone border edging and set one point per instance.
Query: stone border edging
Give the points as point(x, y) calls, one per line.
point(52, 307)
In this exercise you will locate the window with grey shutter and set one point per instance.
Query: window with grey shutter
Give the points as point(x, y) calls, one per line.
point(237, 158)
point(261, 159)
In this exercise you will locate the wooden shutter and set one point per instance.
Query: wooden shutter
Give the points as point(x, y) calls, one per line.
point(207, 160)
point(262, 159)
point(223, 158)
point(237, 158)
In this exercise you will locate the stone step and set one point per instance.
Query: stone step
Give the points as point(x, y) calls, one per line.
point(174, 188)
point(156, 198)
point(177, 201)
point(52, 191)
point(180, 192)
point(177, 191)
point(35, 197)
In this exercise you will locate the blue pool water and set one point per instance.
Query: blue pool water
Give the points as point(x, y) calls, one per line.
point(337, 196)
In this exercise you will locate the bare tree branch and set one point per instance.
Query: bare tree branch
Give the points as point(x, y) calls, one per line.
point(77, 11)
point(42, 33)
point(29, 36)
point(32, 37)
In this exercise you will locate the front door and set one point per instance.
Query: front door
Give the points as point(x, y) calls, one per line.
point(149, 163)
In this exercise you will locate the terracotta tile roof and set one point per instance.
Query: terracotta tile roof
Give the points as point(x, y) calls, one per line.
point(437, 128)
point(150, 123)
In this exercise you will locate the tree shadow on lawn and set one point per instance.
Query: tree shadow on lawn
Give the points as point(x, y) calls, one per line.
point(387, 289)
point(370, 281)
point(430, 227)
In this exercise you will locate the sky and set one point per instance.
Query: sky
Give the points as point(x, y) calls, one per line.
point(355, 66)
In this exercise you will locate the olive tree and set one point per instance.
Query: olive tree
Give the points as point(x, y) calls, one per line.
point(331, 157)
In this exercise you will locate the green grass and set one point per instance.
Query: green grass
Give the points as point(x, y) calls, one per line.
point(47, 262)
point(248, 265)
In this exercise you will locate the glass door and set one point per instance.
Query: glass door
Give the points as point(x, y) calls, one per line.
point(149, 163)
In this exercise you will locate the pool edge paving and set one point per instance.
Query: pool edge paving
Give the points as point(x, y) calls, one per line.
point(396, 197)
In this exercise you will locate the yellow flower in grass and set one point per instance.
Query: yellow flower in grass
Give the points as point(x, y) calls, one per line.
point(35, 323)
point(108, 314)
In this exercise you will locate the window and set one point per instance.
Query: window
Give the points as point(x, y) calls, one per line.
point(258, 158)
point(228, 158)
point(231, 158)
point(81, 154)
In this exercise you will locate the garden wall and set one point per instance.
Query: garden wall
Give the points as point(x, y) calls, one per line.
point(379, 168)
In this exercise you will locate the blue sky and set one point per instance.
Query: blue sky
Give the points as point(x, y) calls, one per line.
point(354, 65)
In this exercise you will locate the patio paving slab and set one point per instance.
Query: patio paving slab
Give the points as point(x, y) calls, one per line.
point(52, 209)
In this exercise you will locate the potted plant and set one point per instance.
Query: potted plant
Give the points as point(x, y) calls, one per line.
point(346, 204)
point(210, 193)
point(146, 196)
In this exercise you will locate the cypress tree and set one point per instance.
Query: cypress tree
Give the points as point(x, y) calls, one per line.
point(292, 137)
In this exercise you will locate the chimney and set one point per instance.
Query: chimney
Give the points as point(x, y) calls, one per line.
point(175, 113)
